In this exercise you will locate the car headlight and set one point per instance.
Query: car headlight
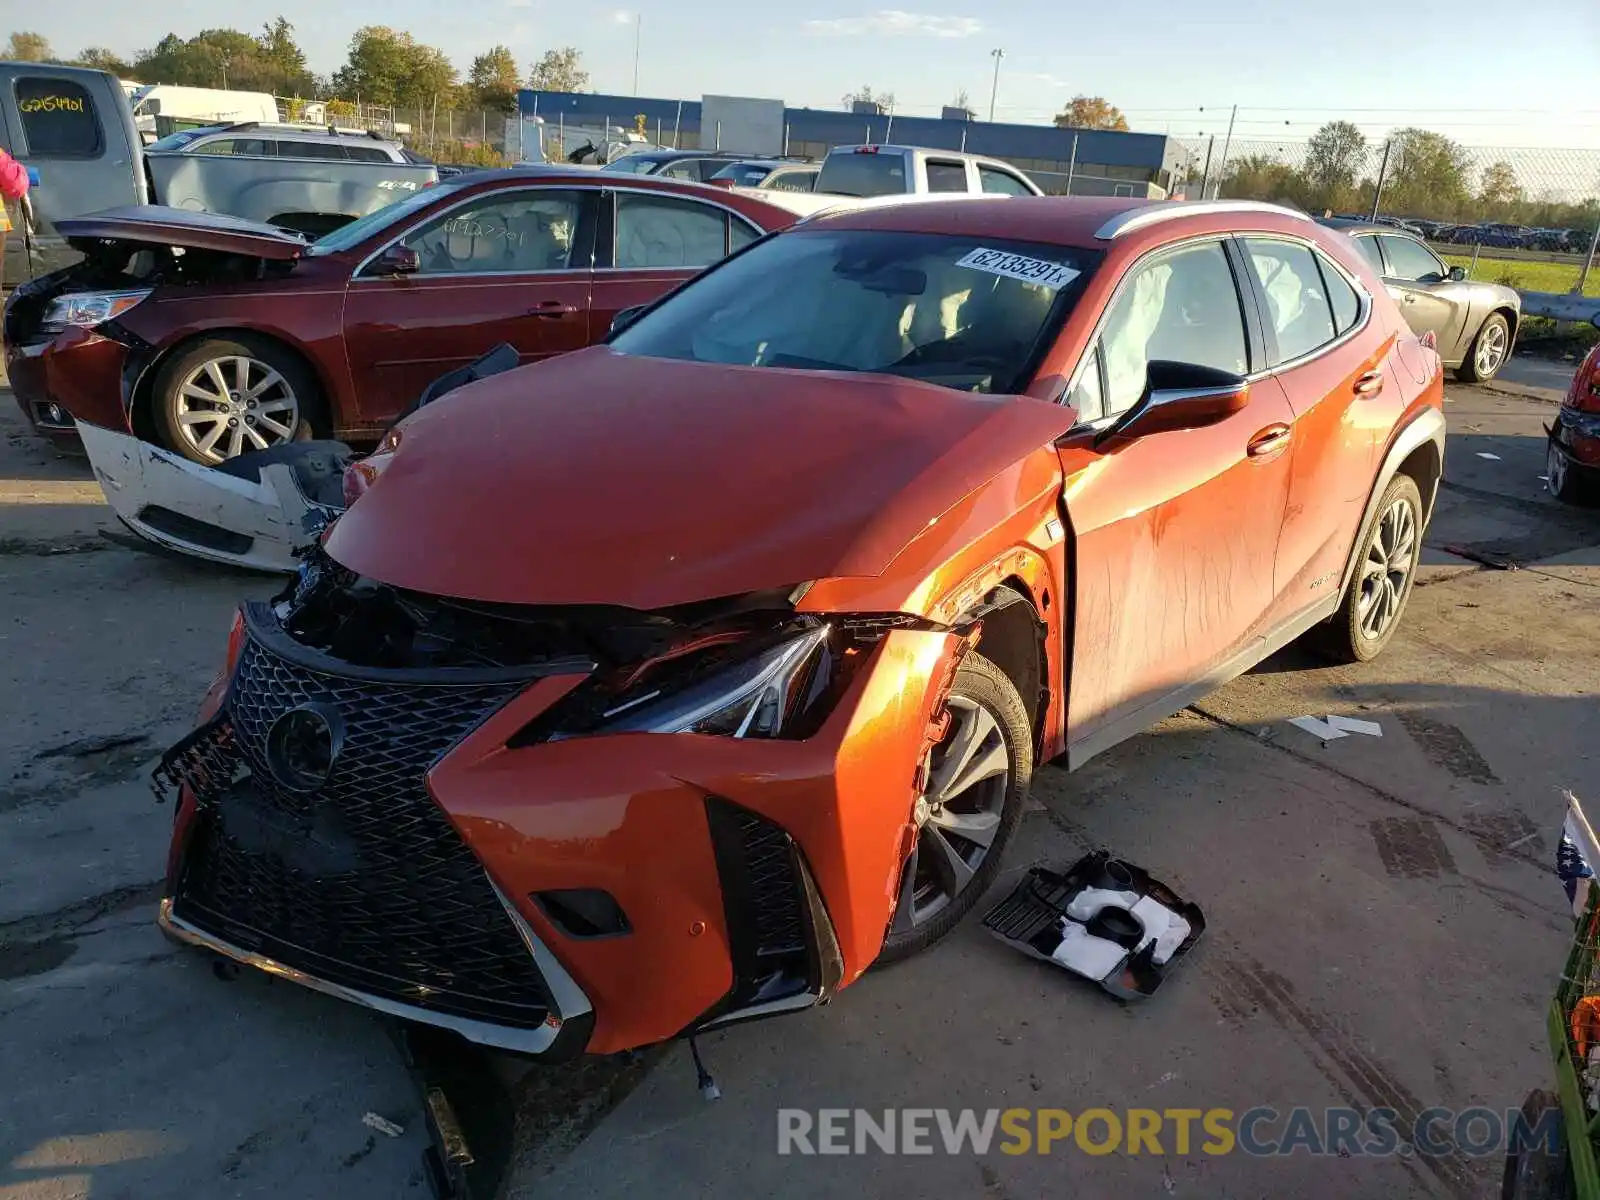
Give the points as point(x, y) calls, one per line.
point(749, 698)
point(89, 308)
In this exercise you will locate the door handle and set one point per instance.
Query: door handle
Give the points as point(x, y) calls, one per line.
point(1369, 384)
point(1409, 298)
point(552, 309)
point(1268, 441)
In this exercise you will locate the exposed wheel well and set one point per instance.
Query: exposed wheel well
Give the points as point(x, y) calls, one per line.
point(142, 417)
point(1425, 468)
point(1014, 640)
point(1513, 319)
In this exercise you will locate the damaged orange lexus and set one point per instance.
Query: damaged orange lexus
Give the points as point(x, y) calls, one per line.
point(677, 681)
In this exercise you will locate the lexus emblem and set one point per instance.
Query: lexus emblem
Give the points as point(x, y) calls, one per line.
point(302, 745)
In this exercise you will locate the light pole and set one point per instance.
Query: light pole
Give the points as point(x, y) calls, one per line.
point(638, 26)
point(994, 91)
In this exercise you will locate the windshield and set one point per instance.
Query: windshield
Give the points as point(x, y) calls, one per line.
point(176, 141)
point(348, 236)
point(863, 173)
point(965, 312)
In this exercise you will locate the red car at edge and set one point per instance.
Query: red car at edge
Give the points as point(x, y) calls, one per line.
point(214, 336)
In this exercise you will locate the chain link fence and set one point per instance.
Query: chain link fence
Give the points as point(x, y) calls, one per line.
point(1526, 217)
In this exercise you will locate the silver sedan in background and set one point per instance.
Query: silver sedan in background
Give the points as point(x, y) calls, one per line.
point(1475, 323)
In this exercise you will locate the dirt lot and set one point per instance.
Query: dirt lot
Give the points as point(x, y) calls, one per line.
point(1384, 923)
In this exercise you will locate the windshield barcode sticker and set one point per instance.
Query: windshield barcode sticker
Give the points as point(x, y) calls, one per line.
point(1019, 266)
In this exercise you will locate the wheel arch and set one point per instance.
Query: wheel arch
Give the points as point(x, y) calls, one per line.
point(141, 413)
point(1417, 450)
point(1014, 637)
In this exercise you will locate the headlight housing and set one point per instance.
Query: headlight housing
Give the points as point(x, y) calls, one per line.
point(751, 697)
point(86, 309)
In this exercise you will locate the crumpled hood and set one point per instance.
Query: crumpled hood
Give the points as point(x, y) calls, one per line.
point(599, 478)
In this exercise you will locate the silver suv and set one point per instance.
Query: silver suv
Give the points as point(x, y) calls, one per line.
point(258, 140)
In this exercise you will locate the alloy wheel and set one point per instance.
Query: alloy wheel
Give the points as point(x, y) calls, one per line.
point(1491, 350)
point(1555, 470)
point(228, 405)
point(957, 816)
point(1391, 557)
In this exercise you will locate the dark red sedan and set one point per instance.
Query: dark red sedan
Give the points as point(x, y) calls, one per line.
point(214, 336)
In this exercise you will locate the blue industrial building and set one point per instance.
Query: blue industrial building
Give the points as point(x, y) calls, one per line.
point(1098, 161)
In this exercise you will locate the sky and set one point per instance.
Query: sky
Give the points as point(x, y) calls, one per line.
point(1472, 69)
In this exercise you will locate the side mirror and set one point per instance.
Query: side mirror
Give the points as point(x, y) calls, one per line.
point(1458, 275)
point(397, 260)
point(1180, 396)
point(625, 318)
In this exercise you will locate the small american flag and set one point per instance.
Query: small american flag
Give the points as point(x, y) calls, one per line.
point(1573, 856)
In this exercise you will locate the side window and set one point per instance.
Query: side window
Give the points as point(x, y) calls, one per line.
point(1297, 304)
point(1184, 307)
point(531, 230)
point(252, 146)
point(947, 176)
point(1346, 304)
point(367, 154)
point(740, 234)
point(58, 118)
point(1411, 260)
point(795, 181)
point(685, 168)
point(1088, 397)
point(1001, 183)
point(1369, 250)
point(289, 149)
point(666, 232)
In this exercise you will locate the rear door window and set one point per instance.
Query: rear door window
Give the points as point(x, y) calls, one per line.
point(1369, 251)
point(668, 233)
point(293, 149)
point(257, 147)
point(366, 154)
point(794, 181)
point(946, 176)
point(1297, 302)
point(58, 118)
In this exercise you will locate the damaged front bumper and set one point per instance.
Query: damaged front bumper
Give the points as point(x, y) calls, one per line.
point(544, 894)
point(257, 511)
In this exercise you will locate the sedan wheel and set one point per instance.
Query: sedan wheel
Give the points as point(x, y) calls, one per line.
point(975, 780)
point(1568, 483)
point(228, 405)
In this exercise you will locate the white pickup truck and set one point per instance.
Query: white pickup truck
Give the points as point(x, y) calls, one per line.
point(900, 170)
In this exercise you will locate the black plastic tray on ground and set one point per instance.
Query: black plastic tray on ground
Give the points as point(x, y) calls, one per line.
point(1030, 918)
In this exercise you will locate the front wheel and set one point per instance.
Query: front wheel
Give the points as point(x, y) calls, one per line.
point(1385, 571)
point(225, 396)
point(976, 780)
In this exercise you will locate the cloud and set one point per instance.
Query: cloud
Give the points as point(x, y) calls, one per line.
point(893, 22)
point(619, 16)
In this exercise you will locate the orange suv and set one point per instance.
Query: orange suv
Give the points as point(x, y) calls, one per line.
point(676, 681)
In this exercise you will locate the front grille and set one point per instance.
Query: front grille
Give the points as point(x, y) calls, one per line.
point(363, 882)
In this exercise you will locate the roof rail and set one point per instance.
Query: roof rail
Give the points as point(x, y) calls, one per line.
point(1171, 210)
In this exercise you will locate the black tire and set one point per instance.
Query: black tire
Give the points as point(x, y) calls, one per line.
point(167, 405)
point(981, 684)
point(1566, 480)
point(1345, 638)
point(1539, 1172)
point(1494, 325)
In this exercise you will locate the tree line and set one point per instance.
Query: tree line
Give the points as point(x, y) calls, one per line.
point(1427, 175)
point(384, 66)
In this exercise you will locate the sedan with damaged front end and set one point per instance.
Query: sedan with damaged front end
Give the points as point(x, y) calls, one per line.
point(719, 673)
